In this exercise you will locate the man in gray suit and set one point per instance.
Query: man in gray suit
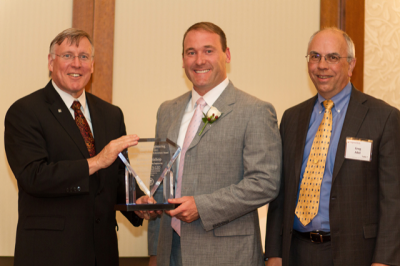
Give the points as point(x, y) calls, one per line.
point(358, 199)
point(230, 168)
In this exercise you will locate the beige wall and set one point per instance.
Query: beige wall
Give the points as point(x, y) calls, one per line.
point(26, 29)
point(382, 50)
point(267, 40)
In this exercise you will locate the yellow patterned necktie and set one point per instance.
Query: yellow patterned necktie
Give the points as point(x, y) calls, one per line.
point(307, 206)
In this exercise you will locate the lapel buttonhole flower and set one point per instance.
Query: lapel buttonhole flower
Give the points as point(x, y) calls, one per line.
point(212, 115)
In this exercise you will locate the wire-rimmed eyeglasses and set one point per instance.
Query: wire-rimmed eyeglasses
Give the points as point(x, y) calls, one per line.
point(329, 58)
point(70, 57)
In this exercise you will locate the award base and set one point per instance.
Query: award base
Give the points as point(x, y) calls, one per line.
point(145, 207)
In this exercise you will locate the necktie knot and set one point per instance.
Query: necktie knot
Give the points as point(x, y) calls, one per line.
point(76, 106)
point(328, 104)
point(201, 102)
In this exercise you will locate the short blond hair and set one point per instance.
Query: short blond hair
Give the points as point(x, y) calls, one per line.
point(73, 35)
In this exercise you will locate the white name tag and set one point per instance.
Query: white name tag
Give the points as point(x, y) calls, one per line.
point(358, 149)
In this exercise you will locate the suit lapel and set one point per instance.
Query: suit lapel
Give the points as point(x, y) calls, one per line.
point(355, 115)
point(62, 114)
point(301, 135)
point(99, 129)
point(177, 111)
point(224, 104)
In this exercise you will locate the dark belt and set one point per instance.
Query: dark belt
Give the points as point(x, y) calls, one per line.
point(315, 236)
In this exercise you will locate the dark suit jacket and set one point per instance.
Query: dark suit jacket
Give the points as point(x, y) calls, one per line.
point(364, 208)
point(66, 217)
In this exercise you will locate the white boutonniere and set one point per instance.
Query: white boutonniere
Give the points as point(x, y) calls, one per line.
point(212, 115)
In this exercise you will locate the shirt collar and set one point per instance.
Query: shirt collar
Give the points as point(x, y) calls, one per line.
point(211, 96)
point(340, 100)
point(68, 99)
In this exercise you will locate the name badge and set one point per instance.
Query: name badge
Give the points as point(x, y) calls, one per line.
point(358, 149)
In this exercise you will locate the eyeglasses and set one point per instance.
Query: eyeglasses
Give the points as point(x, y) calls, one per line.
point(70, 57)
point(329, 58)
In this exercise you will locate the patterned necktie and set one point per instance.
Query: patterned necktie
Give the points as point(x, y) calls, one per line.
point(190, 133)
point(308, 204)
point(84, 128)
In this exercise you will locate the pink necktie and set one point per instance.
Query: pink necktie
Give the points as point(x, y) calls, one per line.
point(190, 133)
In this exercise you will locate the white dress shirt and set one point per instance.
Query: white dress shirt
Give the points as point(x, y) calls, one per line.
point(210, 98)
point(69, 100)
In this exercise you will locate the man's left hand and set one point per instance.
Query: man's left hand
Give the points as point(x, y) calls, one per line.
point(379, 264)
point(187, 211)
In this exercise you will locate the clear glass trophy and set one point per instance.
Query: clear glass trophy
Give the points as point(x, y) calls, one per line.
point(151, 160)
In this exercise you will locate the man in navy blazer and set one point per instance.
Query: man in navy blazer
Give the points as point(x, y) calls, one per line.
point(359, 205)
point(66, 198)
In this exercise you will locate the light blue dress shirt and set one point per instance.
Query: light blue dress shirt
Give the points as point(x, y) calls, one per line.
point(341, 101)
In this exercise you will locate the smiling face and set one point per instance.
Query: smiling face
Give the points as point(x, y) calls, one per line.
point(203, 60)
point(71, 76)
point(330, 79)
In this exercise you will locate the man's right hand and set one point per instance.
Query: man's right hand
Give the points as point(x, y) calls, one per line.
point(110, 153)
point(274, 261)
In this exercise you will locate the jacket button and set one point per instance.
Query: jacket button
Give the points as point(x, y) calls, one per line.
point(67, 190)
point(97, 220)
point(79, 188)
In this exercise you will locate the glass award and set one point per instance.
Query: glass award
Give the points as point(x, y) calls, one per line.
point(149, 162)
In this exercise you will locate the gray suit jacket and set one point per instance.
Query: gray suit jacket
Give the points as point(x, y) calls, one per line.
point(364, 208)
point(231, 169)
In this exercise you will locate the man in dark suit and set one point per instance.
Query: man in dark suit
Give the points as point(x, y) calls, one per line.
point(340, 207)
point(64, 160)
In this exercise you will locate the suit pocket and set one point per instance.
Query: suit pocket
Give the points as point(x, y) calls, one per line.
point(370, 230)
point(44, 223)
point(240, 227)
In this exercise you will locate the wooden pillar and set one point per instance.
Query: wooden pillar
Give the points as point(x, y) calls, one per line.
point(97, 17)
point(349, 16)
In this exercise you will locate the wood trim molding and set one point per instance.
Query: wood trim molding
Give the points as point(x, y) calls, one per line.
point(330, 13)
point(349, 16)
point(103, 37)
point(83, 15)
point(97, 17)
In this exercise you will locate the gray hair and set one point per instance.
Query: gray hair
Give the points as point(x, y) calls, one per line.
point(351, 51)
